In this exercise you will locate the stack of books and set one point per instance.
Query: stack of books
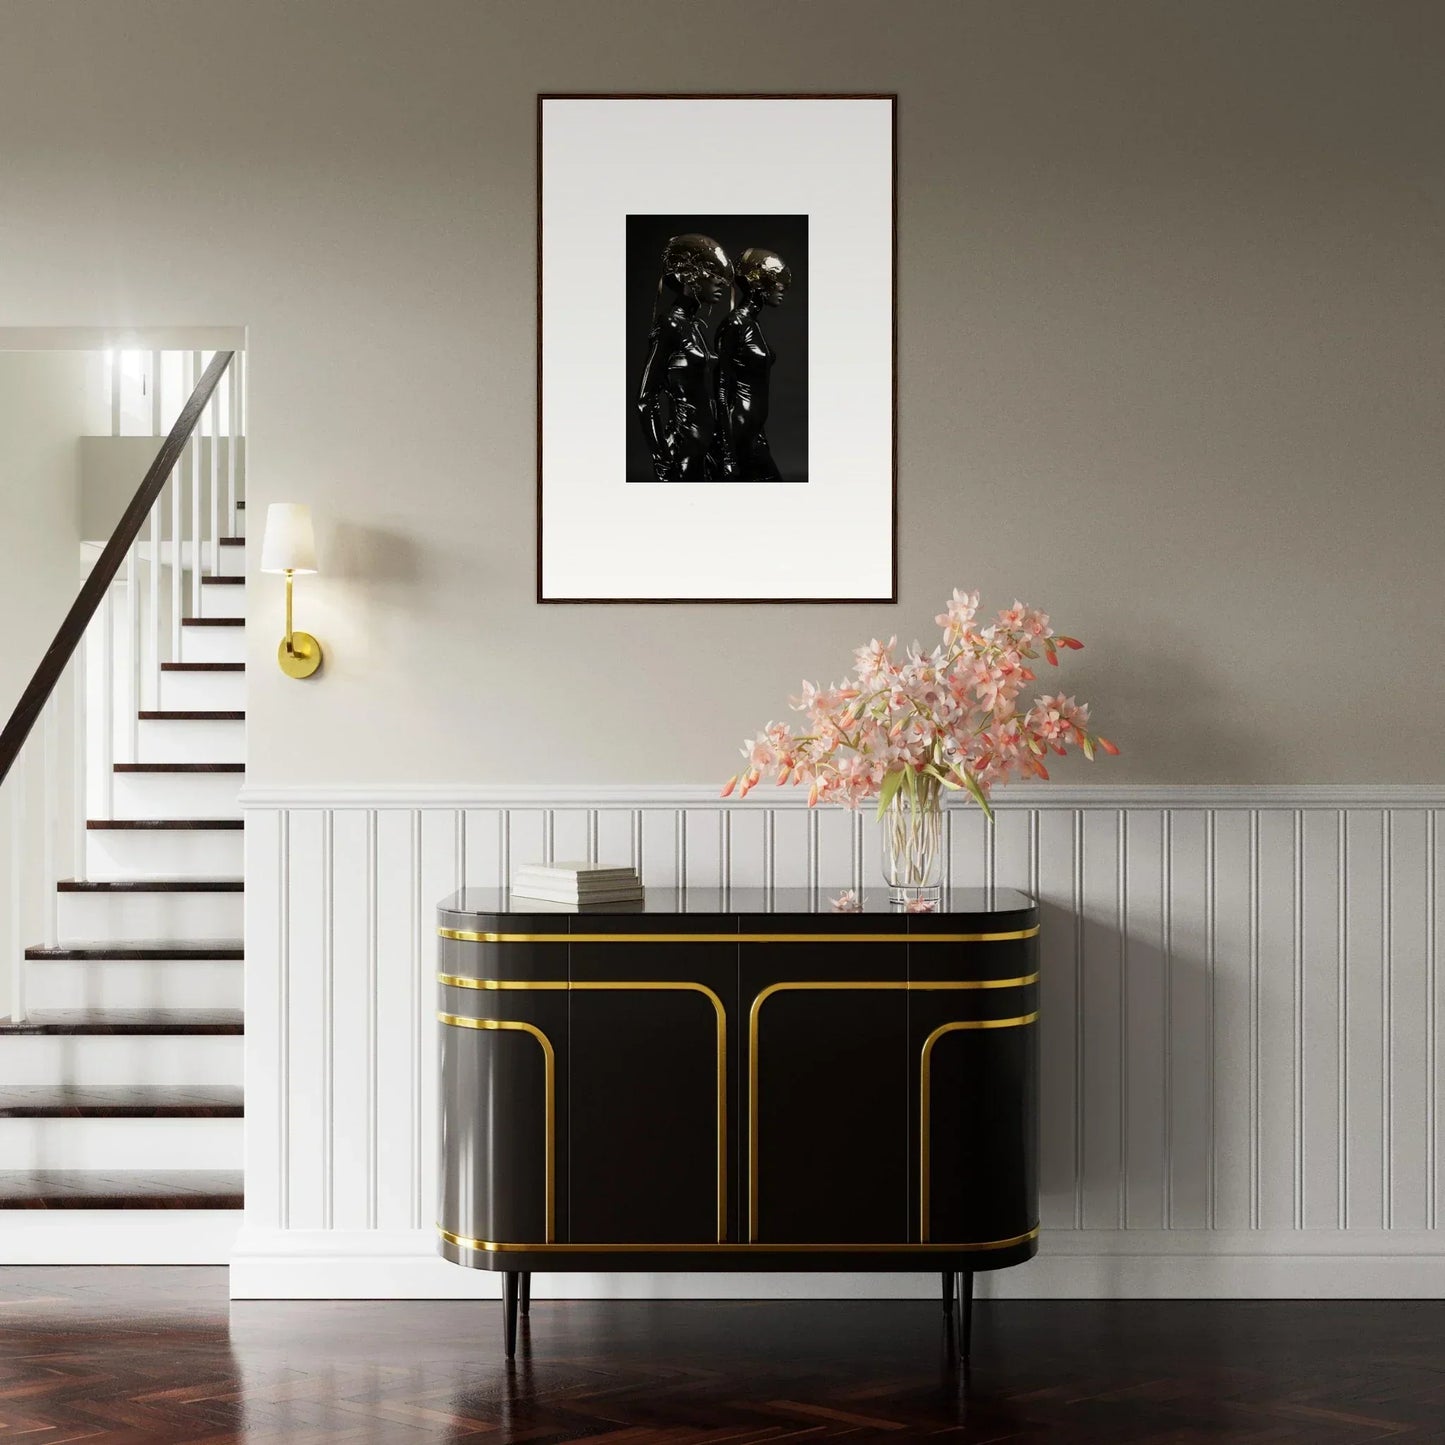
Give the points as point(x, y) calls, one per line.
point(578, 884)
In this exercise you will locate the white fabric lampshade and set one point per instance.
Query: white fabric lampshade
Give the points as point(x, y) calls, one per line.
point(289, 544)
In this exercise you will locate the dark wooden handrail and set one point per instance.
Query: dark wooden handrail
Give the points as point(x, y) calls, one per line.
point(67, 639)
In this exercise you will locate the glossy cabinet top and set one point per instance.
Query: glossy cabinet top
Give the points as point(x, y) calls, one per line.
point(960, 908)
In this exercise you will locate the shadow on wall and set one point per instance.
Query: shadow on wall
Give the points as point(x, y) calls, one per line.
point(1127, 1088)
point(366, 594)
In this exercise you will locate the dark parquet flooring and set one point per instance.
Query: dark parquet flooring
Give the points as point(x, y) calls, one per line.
point(138, 1355)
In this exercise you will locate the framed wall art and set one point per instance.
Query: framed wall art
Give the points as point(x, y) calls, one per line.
point(716, 390)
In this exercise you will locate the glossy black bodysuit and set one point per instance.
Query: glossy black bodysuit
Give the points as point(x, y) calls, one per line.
point(675, 398)
point(744, 371)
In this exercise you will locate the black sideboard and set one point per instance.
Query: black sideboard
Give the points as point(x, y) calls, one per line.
point(751, 1081)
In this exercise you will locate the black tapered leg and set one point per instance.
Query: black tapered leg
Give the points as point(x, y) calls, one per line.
point(509, 1311)
point(948, 1292)
point(526, 1304)
point(965, 1311)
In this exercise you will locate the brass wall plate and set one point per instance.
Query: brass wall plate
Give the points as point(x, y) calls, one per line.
point(302, 658)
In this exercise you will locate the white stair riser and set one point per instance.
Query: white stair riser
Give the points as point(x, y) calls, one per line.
point(191, 740)
point(213, 644)
point(223, 601)
point(138, 983)
point(164, 853)
point(142, 917)
point(177, 795)
point(233, 562)
point(203, 691)
point(85, 1059)
point(119, 1236)
point(101, 1144)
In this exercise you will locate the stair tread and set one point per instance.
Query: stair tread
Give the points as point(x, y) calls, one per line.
point(162, 950)
point(203, 825)
point(121, 1189)
point(213, 621)
point(151, 885)
point(190, 715)
point(128, 1021)
point(121, 1101)
point(203, 667)
point(223, 581)
point(233, 541)
point(180, 767)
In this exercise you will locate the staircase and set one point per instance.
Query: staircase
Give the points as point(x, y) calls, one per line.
point(121, 1106)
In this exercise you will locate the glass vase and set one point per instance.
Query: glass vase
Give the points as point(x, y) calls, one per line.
point(912, 826)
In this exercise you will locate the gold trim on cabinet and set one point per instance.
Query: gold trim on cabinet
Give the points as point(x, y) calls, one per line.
point(925, 1101)
point(487, 1246)
point(549, 1067)
point(453, 980)
point(905, 985)
point(462, 935)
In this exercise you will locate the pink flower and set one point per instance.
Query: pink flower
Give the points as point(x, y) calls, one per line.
point(848, 902)
point(921, 905)
point(951, 712)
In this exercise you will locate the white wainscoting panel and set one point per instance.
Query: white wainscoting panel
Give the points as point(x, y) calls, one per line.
point(1241, 1022)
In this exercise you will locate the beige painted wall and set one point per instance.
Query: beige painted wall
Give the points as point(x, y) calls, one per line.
point(1170, 355)
point(42, 403)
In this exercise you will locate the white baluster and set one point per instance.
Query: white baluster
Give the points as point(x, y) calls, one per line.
point(16, 782)
point(79, 777)
point(238, 429)
point(133, 651)
point(153, 632)
point(107, 705)
point(233, 430)
point(49, 807)
point(157, 387)
point(174, 483)
point(215, 482)
point(194, 450)
point(116, 358)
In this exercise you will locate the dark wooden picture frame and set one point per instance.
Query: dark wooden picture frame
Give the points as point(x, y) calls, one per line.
point(892, 100)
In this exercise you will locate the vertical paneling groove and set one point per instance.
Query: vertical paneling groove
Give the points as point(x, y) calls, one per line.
point(1121, 927)
point(679, 833)
point(504, 825)
point(1211, 933)
point(1342, 1052)
point(1387, 1025)
point(283, 1042)
point(414, 916)
point(328, 1020)
point(371, 982)
point(1166, 929)
point(1432, 1060)
point(1077, 862)
point(1253, 1018)
point(1299, 1019)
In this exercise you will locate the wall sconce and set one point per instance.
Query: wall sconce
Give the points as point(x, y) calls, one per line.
point(289, 546)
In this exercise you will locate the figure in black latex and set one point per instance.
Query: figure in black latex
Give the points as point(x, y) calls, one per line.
point(744, 371)
point(675, 399)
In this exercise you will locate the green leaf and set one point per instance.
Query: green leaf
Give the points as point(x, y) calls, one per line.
point(971, 783)
point(890, 786)
point(1088, 747)
point(942, 778)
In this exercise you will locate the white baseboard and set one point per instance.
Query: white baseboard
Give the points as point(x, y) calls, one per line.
point(1173, 1264)
point(118, 1236)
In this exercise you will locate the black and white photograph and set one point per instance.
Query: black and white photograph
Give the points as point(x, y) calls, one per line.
point(716, 343)
point(717, 311)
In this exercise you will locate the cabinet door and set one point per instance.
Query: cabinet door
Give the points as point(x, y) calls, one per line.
point(825, 1089)
point(502, 1018)
point(652, 1127)
point(973, 1044)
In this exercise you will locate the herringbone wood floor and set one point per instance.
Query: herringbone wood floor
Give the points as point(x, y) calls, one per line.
point(138, 1355)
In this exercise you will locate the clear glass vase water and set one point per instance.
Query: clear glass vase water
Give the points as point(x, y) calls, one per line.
point(912, 828)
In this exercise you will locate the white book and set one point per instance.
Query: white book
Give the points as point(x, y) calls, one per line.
point(560, 895)
point(581, 873)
